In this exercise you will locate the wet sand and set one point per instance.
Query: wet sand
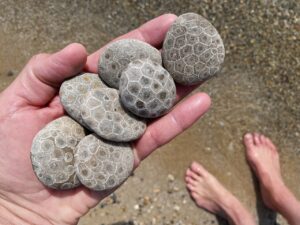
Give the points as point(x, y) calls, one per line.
point(257, 90)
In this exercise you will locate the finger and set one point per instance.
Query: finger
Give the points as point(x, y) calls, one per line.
point(153, 32)
point(53, 111)
point(44, 73)
point(168, 127)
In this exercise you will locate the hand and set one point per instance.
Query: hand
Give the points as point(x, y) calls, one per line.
point(32, 101)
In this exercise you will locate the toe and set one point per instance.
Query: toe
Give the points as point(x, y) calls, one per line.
point(248, 140)
point(198, 169)
point(192, 181)
point(195, 195)
point(189, 180)
point(189, 173)
point(256, 139)
point(190, 187)
point(262, 139)
point(196, 177)
point(270, 144)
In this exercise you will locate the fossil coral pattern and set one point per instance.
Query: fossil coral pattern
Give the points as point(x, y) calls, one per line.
point(102, 112)
point(52, 153)
point(119, 54)
point(63, 157)
point(193, 50)
point(147, 89)
point(73, 90)
point(102, 165)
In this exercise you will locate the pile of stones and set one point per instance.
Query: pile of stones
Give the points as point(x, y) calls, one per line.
point(91, 146)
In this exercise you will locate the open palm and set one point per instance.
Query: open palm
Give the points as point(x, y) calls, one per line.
point(31, 102)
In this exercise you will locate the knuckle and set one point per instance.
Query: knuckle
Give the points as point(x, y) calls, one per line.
point(36, 58)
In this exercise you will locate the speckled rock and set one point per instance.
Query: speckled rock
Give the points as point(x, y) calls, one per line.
point(147, 89)
point(52, 153)
point(193, 49)
point(119, 54)
point(103, 113)
point(101, 164)
point(73, 90)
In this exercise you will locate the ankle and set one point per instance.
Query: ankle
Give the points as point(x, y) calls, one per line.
point(236, 213)
point(283, 197)
point(278, 194)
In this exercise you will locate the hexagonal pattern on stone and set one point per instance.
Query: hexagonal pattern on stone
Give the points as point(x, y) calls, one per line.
point(193, 49)
point(73, 90)
point(52, 153)
point(103, 113)
point(119, 54)
point(147, 89)
point(101, 164)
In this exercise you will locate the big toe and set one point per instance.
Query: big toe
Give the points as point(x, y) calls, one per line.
point(248, 140)
point(198, 169)
point(192, 175)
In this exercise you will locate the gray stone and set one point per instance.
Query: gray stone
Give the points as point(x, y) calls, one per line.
point(73, 90)
point(101, 164)
point(193, 49)
point(52, 153)
point(147, 89)
point(103, 113)
point(119, 54)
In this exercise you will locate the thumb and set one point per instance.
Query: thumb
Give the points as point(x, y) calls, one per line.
point(41, 78)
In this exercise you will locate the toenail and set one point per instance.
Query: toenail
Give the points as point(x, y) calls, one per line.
point(248, 136)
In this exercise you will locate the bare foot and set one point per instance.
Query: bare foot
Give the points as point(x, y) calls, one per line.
point(205, 189)
point(263, 158)
point(209, 194)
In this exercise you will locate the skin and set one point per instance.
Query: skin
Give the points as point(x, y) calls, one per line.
point(263, 158)
point(31, 102)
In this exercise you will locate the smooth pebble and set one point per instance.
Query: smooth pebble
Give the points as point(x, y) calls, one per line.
point(192, 50)
point(147, 89)
point(52, 153)
point(103, 113)
point(102, 165)
point(119, 54)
